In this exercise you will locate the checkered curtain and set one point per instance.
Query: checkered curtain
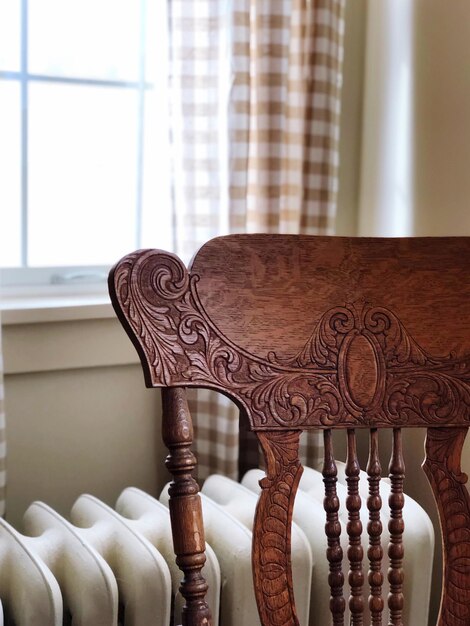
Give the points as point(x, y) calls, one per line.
point(2, 434)
point(255, 104)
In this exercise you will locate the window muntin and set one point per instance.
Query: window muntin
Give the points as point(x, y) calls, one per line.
point(86, 139)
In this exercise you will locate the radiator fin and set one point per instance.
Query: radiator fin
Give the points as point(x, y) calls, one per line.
point(115, 567)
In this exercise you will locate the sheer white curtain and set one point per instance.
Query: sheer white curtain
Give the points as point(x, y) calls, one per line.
point(386, 193)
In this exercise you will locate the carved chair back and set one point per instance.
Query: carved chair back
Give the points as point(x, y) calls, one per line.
point(314, 333)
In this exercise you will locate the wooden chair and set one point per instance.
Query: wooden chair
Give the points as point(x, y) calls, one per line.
point(314, 333)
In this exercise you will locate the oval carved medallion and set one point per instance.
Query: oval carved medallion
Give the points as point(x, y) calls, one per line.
point(361, 370)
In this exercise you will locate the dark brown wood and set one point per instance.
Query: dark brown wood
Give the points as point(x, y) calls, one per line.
point(396, 527)
point(316, 332)
point(297, 366)
point(185, 506)
point(354, 528)
point(272, 574)
point(374, 529)
point(442, 467)
point(334, 552)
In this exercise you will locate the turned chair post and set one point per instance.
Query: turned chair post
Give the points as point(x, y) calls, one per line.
point(307, 333)
point(185, 506)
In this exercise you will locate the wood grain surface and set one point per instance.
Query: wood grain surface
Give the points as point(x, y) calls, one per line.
point(306, 333)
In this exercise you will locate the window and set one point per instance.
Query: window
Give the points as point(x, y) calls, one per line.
point(83, 121)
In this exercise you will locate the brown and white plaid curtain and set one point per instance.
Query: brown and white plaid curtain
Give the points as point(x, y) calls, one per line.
point(255, 105)
point(2, 434)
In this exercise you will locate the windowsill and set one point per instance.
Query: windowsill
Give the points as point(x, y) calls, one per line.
point(58, 328)
point(53, 305)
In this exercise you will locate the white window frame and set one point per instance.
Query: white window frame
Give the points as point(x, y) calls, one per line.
point(65, 279)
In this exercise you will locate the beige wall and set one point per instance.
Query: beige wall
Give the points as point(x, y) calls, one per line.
point(79, 418)
point(440, 120)
point(442, 117)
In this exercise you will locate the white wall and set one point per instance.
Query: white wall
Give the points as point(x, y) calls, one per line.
point(79, 418)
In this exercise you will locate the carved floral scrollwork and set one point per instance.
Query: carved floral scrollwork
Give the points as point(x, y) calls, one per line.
point(442, 467)
point(272, 528)
point(148, 317)
point(359, 366)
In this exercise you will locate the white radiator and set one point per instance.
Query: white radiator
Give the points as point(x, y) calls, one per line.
point(107, 566)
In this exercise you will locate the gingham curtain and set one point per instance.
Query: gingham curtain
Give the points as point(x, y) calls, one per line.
point(255, 104)
point(2, 434)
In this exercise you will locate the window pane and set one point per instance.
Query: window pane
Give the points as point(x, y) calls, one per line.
point(10, 168)
point(82, 174)
point(157, 217)
point(10, 41)
point(156, 41)
point(85, 38)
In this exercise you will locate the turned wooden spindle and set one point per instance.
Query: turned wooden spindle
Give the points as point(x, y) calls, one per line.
point(185, 506)
point(354, 528)
point(334, 551)
point(374, 530)
point(396, 526)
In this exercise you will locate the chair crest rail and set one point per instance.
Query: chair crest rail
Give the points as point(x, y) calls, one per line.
point(398, 383)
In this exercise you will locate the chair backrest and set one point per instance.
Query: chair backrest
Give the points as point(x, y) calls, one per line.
point(314, 333)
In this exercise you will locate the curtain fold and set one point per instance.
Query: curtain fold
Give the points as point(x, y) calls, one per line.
point(289, 62)
point(255, 105)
